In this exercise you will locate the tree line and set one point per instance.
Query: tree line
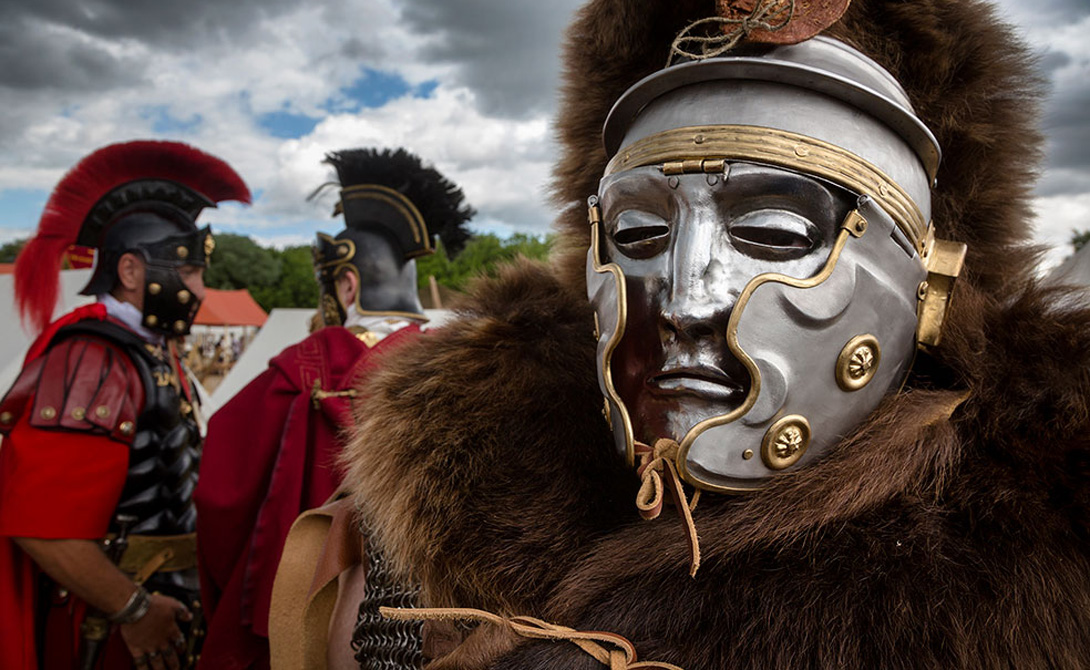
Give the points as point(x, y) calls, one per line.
point(285, 277)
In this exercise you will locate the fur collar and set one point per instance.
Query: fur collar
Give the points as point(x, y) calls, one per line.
point(485, 468)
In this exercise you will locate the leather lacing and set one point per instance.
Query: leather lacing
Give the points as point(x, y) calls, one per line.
point(609, 649)
point(656, 463)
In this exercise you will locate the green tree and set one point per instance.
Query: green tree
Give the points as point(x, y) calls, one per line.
point(295, 286)
point(481, 256)
point(239, 262)
point(275, 278)
point(1079, 239)
point(9, 251)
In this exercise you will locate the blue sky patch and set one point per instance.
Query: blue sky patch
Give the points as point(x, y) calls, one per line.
point(287, 125)
point(20, 209)
point(375, 88)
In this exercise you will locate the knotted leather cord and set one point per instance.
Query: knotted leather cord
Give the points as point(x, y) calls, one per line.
point(654, 463)
point(609, 649)
point(770, 15)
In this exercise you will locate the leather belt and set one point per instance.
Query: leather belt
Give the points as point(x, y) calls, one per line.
point(147, 554)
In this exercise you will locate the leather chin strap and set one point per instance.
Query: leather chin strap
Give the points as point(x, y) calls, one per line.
point(655, 462)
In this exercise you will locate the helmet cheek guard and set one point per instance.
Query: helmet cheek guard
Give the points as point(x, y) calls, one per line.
point(169, 305)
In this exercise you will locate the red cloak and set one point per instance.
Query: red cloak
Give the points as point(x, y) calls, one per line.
point(270, 455)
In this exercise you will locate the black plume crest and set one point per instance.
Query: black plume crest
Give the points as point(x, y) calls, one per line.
point(441, 202)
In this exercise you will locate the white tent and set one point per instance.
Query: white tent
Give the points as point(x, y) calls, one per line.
point(14, 341)
point(1074, 271)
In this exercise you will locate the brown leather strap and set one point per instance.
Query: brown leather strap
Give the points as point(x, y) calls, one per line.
point(322, 544)
point(143, 550)
point(654, 464)
point(609, 649)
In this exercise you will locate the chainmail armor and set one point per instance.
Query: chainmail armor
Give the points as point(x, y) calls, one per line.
point(379, 643)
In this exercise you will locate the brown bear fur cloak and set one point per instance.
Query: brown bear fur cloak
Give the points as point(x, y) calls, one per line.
point(949, 531)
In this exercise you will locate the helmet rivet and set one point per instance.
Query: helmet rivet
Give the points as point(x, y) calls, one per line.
point(151, 320)
point(785, 442)
point(154, 288)
point(126, 427)
point(921, 291)
point(747, 454)
point(6, 418)
point(699, 139)
point(674, 182)
point(858, 362)
point(342, 251)
point(179, 326)
point(102, 411)
point(183, 252)
point(49, 413)
point(802, 151)
point(184, 296)
point(79, 414)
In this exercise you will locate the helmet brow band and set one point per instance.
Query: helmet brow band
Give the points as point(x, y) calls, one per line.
point(685, 149)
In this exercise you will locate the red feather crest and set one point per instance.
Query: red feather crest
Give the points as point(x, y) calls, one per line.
point(37, 269)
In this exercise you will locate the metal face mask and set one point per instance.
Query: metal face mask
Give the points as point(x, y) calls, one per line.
point(169, 305)
point(757, 288)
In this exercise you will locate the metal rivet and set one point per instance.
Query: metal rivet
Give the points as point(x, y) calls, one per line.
point(883, 190)
point(785, 442)
point(102, 411)
point(921, 291)
point(126, 427)
point(151, 320)
point(49, 413)
point(712, 179)
point(747, 454)
point(184, 296)
point(79, 414)
point(154, 289)
point(699, 139)
point(179, 326)
point(183, 252)
point(674, 182)
point(342, 251)
point(6, 418)
point(858, 362)
point(802, 151)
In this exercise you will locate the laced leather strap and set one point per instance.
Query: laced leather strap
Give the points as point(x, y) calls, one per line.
point(769, 15)
point(654, 463)
point(609, 649)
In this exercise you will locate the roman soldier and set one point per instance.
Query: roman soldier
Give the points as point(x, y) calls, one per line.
point(754, 305)
point(101, 437)
point(258, 476)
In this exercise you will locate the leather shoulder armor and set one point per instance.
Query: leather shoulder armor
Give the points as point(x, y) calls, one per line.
point(85, 381)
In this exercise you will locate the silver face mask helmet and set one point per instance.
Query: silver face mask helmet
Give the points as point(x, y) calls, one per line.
point(762, 264)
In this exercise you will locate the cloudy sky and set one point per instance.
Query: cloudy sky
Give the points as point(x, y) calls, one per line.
point(271, 85)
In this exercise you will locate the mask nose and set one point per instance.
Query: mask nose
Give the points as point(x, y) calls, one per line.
point(704, 283)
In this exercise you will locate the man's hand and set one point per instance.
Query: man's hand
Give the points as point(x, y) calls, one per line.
point(155, 641)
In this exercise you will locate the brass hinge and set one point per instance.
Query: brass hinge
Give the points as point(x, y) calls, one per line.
point(944, 260)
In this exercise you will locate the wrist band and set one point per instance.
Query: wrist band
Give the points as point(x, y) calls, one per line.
point(138, 605)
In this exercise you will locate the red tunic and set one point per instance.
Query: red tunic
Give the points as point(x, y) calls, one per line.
point(59, 481)
point(270, 454)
